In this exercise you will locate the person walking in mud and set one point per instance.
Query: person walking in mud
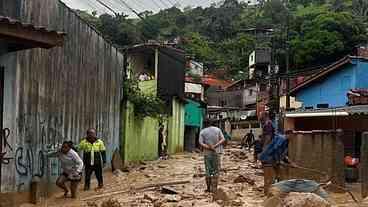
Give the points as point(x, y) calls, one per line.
point(211, 139)
point(249, 139)
point(72, 166)
point(94, 157)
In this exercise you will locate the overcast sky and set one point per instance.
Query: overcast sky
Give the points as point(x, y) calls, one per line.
point(138, 5)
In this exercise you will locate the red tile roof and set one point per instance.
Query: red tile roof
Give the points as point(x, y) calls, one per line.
point(210, 80)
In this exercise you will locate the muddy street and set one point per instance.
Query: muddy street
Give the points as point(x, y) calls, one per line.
point(241, 184)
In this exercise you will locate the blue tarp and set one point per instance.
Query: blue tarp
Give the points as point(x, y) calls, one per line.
point(301, 186)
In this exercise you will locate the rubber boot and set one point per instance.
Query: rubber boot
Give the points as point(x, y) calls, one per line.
point(214, 183)
point(208, 183)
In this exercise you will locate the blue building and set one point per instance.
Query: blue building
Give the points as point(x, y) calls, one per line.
point(330, 86)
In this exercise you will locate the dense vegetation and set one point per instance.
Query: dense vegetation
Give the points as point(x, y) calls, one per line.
point(320, 31)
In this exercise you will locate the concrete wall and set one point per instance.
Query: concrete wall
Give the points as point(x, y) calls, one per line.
point(319, 150)
point(140, 136)
point(176, 128)
point(55, 95)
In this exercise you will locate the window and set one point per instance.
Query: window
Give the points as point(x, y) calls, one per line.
point(250, 92)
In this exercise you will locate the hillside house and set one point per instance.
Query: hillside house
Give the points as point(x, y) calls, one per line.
point(325, 109)
point(163, 70)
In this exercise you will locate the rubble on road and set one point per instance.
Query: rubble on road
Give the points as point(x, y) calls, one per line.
point(245, 179)
point(172, 198)
point(304, 200)
point(168, 190)
point(111, 203)
point(151, 197)
point(179, 182)
point(224, 194)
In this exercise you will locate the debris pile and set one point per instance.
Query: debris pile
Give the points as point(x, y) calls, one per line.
point(304, 200)
point(245, 179)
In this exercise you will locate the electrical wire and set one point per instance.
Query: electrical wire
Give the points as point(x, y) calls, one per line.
point(172, 3)
point(108, 7)
point(91, 5)
point(164, 3)
point(157, 4)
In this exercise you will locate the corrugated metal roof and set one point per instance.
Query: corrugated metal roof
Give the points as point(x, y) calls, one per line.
point(10, 21)
point(340, 111)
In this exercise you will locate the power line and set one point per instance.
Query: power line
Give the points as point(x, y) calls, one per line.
point(164, 3)
point(91, 5)
point(122, 8)
point(108, 7)
point(155, 3)
point(138, 5)
point(131, 9)
point(171, 2)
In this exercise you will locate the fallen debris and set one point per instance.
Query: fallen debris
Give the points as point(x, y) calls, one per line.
point(304, 200)
point(92, 204)
point(168, 190)
point(244, 179)
point(172, 198)
point(111, 203)
point(224, 194)
point(136, 189)
point(150, 197)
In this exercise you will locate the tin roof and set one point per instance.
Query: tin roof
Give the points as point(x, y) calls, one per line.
point(10, 21)
point(340, 111)
point(21, 35)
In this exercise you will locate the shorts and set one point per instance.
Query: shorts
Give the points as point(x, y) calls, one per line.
point(212, 164)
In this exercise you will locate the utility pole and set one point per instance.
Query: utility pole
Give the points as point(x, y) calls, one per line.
point(287, 61)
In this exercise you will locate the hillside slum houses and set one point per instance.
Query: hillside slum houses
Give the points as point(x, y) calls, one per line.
point(233, 105)
point(332, 123)
point(60, 77)
point(195, 108)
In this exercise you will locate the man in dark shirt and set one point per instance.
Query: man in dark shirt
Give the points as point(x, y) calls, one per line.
point(249, 139)
point(268, 131)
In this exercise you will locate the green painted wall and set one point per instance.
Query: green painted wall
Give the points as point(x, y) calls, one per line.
point(148, 87)
point(176, 128)
point(193, 114)
point(140, 136)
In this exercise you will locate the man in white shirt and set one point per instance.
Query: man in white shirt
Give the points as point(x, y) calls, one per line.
point(211, 139)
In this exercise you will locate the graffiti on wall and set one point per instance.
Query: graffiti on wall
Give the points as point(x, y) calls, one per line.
point(41, 133)
point(5, 147)
point(28, 163)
